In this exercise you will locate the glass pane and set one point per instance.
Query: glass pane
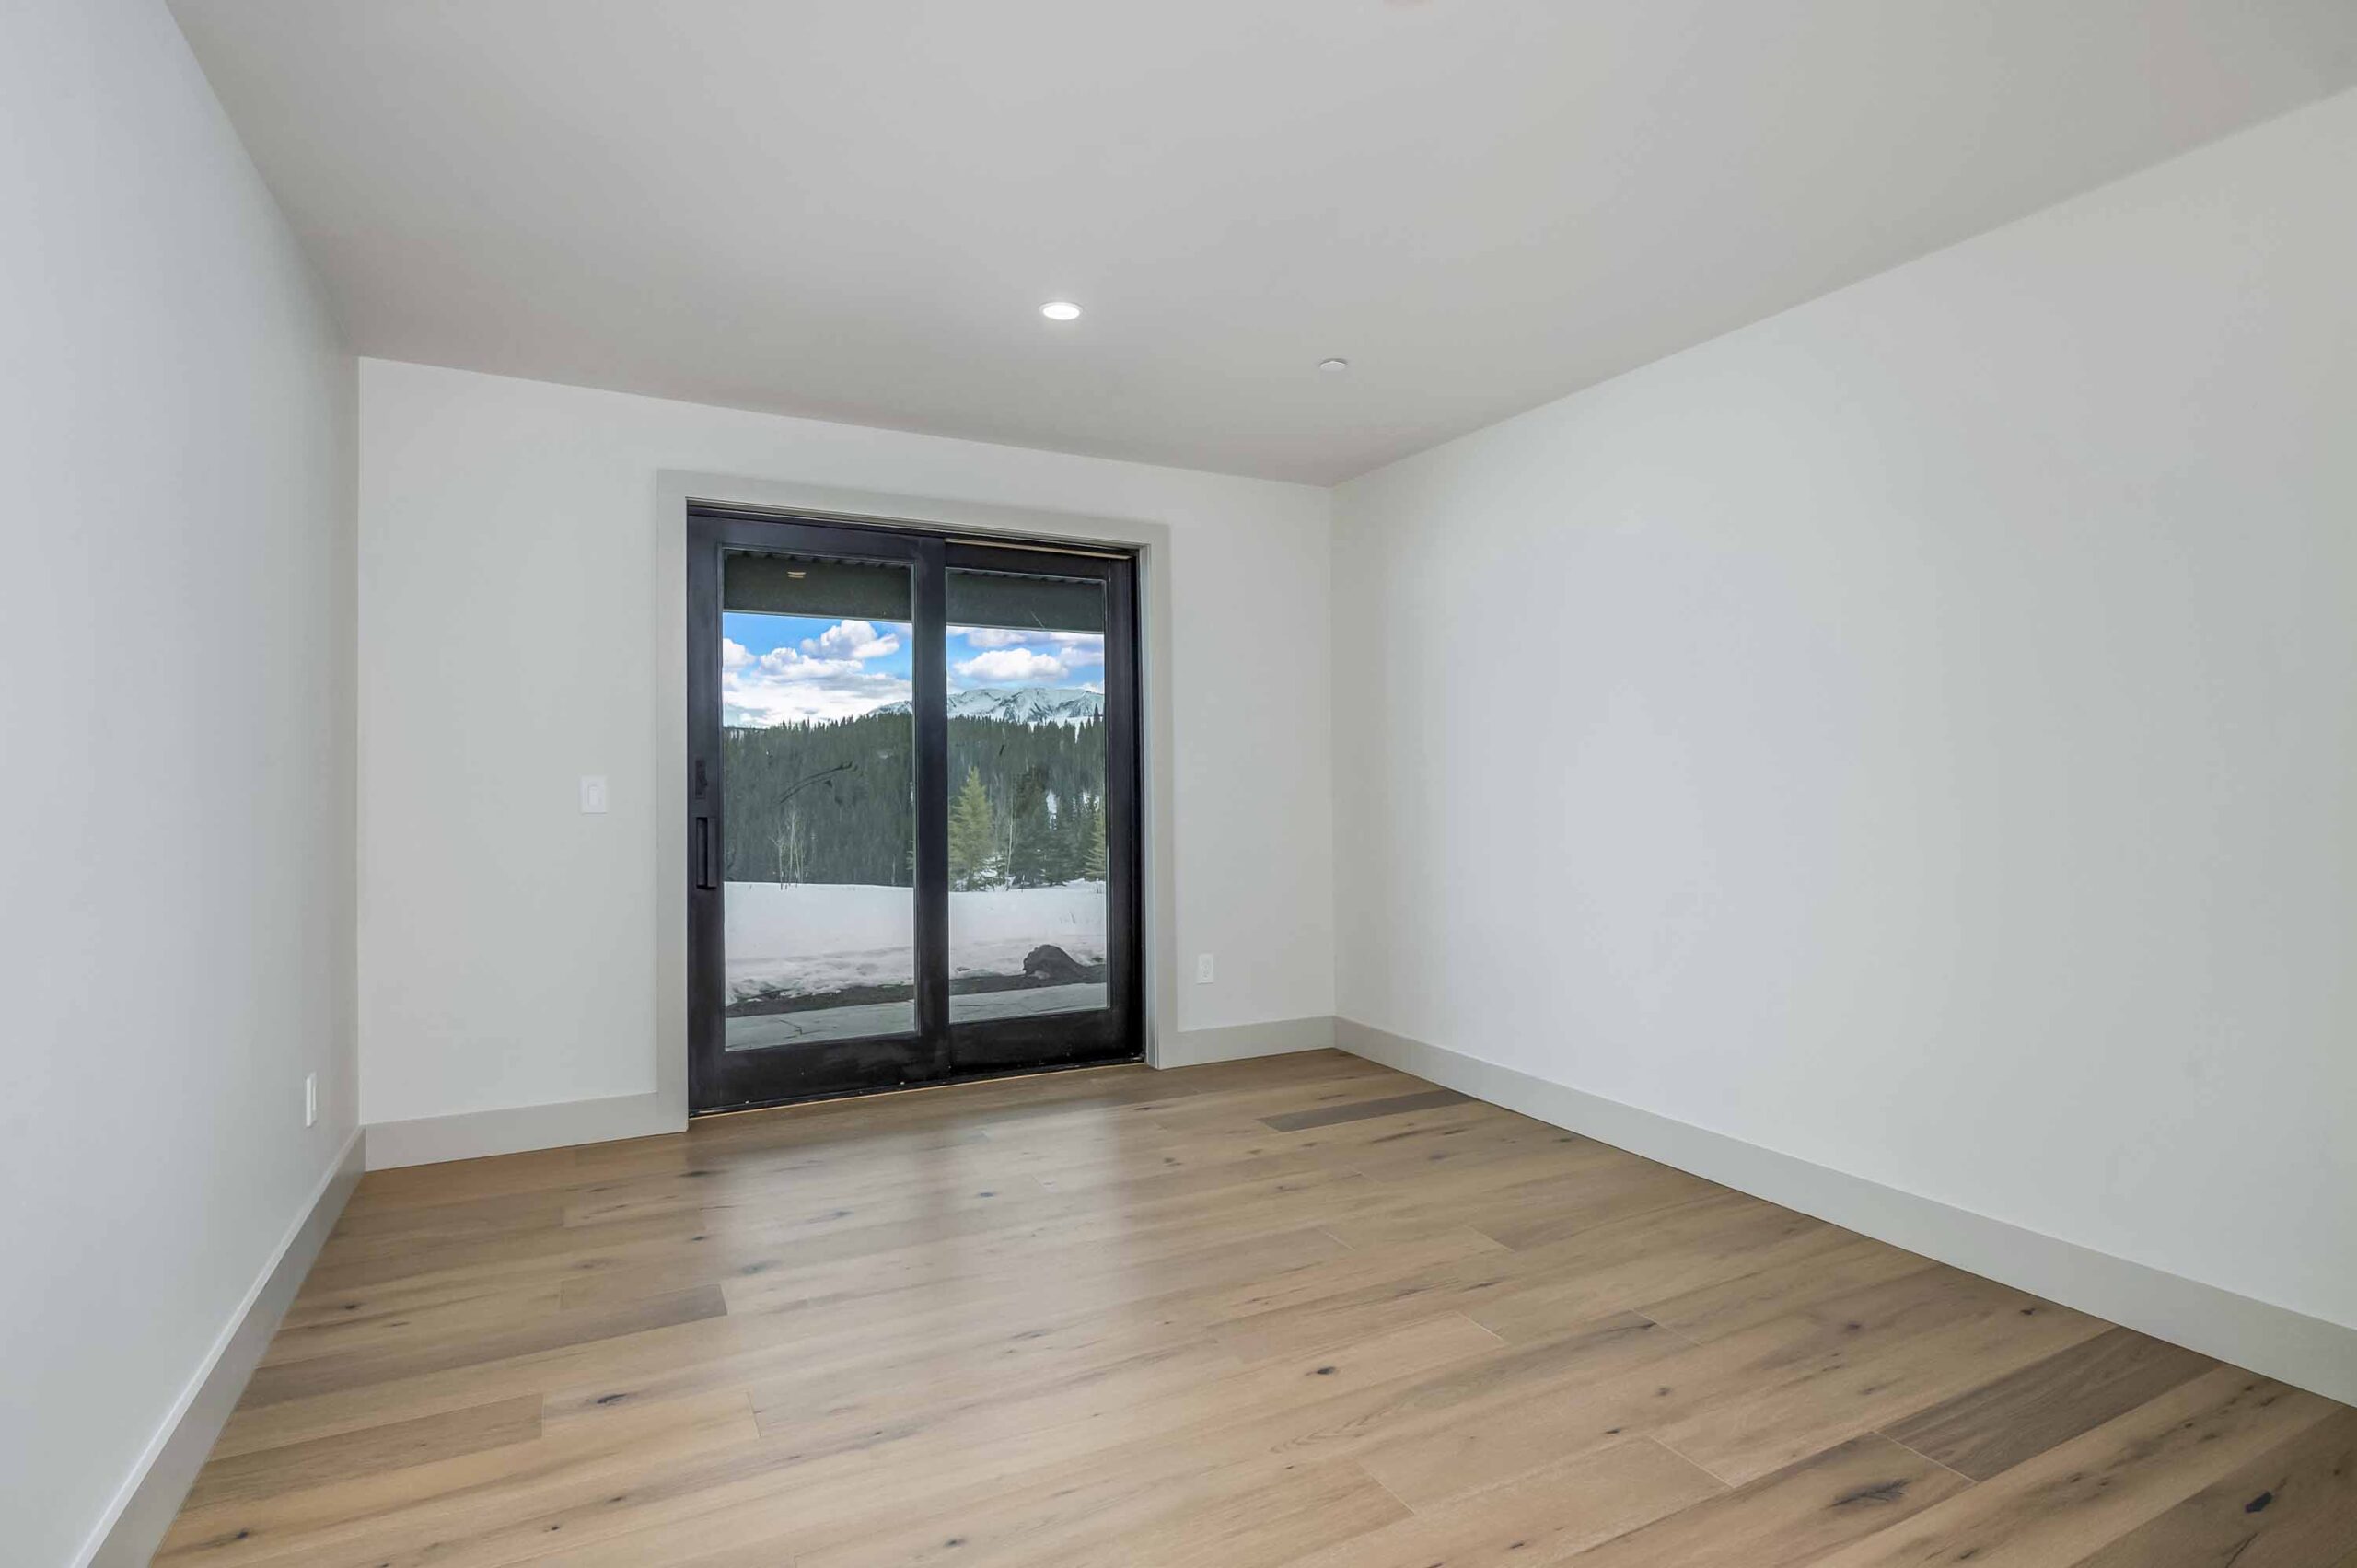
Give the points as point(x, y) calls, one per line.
point(1027, 795)
point(817, 810)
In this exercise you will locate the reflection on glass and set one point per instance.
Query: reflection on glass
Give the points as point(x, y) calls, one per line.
point(1026, 668)
point(817, 749)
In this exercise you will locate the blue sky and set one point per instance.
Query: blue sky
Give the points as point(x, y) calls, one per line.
point(790, 668)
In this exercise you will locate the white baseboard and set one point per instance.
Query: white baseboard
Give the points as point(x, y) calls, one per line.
point(1233, 1042)
point(2310, 1351)
point(429, 1140)
point(150, 1497)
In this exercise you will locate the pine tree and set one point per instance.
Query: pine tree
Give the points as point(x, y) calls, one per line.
point(1068, 844)
point(1093, 866)
point(1030, 851)
point(973, 840)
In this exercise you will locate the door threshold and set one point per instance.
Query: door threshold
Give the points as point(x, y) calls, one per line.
point(954, 1081)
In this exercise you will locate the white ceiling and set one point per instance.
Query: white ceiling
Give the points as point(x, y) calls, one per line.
point(852, 208)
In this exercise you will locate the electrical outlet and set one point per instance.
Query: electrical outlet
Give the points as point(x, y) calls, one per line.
point(1202, 968)
point(310, 1100)
point(593, 792)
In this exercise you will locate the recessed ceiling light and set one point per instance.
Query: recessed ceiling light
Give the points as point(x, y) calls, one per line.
point(1060, 310)
point(1333, 366)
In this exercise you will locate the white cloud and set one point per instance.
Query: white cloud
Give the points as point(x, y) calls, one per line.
point(761, 701)
point(785, 662)
point(1012, 664)
point(785, 686)
point(852, 640)
point(1071, 648)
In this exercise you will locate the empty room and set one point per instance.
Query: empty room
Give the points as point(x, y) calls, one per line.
point(1264, 784)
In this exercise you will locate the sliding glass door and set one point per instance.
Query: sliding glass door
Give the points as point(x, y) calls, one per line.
point(1042, 728)
point(912, 816)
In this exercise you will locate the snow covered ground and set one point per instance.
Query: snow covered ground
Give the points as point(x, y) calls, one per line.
point(814, 939)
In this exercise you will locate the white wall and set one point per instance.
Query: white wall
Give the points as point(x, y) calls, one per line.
point(175, 698)
point(1917, 733)
point(507, 645)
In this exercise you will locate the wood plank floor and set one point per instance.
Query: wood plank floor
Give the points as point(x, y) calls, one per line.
point(1301, 1311)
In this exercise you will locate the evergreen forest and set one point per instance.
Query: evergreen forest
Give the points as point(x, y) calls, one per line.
point(834, 802)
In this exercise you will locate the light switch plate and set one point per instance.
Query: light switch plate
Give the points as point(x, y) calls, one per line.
point(593, 792)
point(1202, 968)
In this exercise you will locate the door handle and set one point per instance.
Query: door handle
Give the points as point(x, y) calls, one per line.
point(702, 850)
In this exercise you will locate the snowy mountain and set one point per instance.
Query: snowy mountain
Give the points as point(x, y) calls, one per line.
point(1020, 704)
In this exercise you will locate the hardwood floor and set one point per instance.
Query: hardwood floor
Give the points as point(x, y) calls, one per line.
point(1301, 1311)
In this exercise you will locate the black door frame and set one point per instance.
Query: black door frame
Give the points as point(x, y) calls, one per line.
point(939, 1051)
